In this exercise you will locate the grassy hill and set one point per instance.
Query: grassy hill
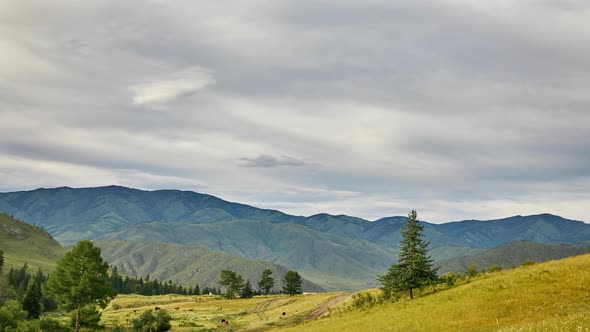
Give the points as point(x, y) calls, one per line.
point(22, 243)
point(551, 296)
point(187, 265)
point(512, 254)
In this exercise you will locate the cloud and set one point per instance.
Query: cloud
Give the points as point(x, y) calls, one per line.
point(459, 109)
point(266, 161)
point(181, 84)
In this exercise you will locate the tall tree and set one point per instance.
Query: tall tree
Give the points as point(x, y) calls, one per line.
point(233, 283)
point(267, 282)
point(81, 279)
point(414, 268)
point(292, 283)
point(32, 300)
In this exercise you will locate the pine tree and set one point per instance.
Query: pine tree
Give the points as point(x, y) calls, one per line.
point(32, 301)
point(292, 283)
point(266, 282)
point(414, 268)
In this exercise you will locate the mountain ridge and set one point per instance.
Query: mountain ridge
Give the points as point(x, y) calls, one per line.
point(330, 250)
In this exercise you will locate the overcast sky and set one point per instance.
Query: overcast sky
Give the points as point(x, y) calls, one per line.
point(458, 109)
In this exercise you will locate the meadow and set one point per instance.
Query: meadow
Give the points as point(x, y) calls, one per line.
point(206, 312)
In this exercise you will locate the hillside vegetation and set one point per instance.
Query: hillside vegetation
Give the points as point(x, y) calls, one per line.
point(187, 265)
point(551, 296)
point(22, 243)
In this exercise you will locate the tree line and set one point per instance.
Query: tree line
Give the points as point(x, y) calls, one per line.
point(236, 287)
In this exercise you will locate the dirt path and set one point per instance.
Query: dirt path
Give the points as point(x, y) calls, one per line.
point(263, 305)
point(329, 305)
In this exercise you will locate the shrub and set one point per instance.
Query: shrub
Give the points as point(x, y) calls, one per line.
point(471, 271)
point(147, 322)
point(28, 326)
point(494, 268)
point(51, 325)
point(10, 315)
point(450, 278)
point(527, 263)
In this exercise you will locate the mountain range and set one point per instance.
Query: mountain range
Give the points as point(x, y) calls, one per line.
point(334, 251)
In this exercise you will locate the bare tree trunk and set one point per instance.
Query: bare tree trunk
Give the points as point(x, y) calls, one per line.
point(78, 318)
point(411, 294)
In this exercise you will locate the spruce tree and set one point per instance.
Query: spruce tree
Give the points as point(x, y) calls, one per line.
point(247, 291)
point(32, 301)
point(414, 268)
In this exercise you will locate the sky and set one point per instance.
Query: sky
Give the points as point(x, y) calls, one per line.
point(457, 109)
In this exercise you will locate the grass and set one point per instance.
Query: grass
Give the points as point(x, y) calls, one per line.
point(553, 296)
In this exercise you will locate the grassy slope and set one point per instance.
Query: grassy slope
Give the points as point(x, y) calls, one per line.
point(551, 296)
point(22, 243)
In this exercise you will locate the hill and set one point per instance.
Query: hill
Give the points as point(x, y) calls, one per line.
point(187, 265)
point(22, 243)
point(551, 296)
point(335, 252)
point(512, 254)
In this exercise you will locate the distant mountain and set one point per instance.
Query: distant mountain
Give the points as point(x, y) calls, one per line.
point(187, 265)
point(512, 254)
point(22, 243)
point(336, 252)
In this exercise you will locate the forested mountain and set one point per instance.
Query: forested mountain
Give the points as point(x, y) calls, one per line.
point(187, 265)
point(333, 251)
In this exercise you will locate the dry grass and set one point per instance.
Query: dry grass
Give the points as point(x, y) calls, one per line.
point(194, 313)
point(553, 296)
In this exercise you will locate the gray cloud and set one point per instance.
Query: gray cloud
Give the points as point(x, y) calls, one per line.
point(270, 161)
point(459, 109)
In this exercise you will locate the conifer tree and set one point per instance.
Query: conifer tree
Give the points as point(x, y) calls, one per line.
point(32, 301)
point(267, 282)
point(292, 281)
point(414, 268)
point(80, 279)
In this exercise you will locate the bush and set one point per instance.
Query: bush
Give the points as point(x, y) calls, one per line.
point(51, 325)
point(28, 326)
point(494, 268)
point(10, 314)
point(89, 318)
point(527, 263)
point(450, 278)
point(471, 271)
point(147, 322)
